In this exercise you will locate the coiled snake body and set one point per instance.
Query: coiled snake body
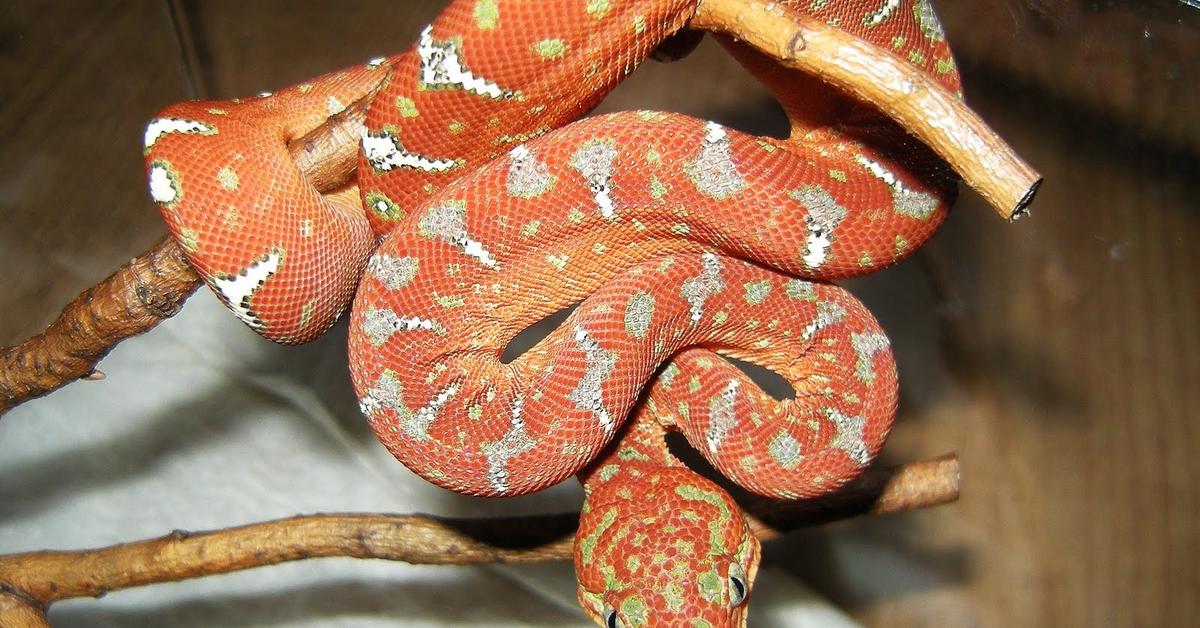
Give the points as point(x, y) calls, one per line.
point(680, 241)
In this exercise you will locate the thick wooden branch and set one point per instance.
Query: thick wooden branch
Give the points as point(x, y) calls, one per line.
point(37, 579)
point(131, 301)
point(902, 92)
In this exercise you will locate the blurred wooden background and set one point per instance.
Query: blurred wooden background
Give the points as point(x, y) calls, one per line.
point(1060, 356)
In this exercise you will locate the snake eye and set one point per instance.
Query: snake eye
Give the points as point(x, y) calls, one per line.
point(610, 617)
point(737, 585)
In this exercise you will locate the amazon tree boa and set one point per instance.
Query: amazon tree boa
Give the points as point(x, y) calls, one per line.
point(481, 209)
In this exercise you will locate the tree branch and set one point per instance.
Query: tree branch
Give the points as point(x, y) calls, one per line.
point(35, 580)
point(131, 301)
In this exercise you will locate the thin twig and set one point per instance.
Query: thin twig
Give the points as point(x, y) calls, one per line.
point(37, 579)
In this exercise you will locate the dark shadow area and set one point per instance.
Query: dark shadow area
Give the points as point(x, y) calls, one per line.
point(769, 381)
point(527, 338)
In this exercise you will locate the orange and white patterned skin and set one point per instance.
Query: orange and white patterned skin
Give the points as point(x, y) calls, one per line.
point(681, 239)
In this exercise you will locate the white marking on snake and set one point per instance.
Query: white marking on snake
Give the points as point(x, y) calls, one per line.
point(919, 205)
point(698, 289)
point(849, 436)
point(515, 442)
point(527, 176)
point(928, 20)
point(594, 160)
point(824, 215)
point(163, 185)
point(334, 106)
point(785, 450)
point(393, 272)
point(385, 153)
point(238, 289)
point(722, 415)
point(713, 171)
point(380, 324)
point(417, 424)
point(828, 313)
point(161, 126)
point(386, 393)
point(598, 365)
point(865, 347)
point(442, 68)
point(448, 222)
point(889, 7)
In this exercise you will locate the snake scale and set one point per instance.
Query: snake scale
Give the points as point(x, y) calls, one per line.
point(482, 206)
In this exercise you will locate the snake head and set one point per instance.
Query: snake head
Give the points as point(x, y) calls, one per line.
point(663, 547)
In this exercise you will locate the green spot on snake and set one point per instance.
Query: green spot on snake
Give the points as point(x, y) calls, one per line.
point(383, 207)
point(800, 289)
point(228, 179)
point(716, 538)
point(597, 8)
point(639, 24)
point(635, 610)
point(672, 594)
point(551, 49)
point(587, 545)
point(407, 107)
point(306, 312)
point(657, 189)
point(486, 14)
point(710, 586)
point(607, 472)
point(757, 291)
point(450, 301)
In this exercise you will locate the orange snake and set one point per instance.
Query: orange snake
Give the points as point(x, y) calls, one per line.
point(679, 240)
